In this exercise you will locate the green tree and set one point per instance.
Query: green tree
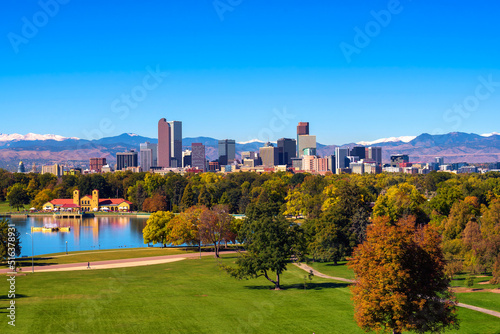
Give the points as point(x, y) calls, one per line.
point(401, 283)
point(215, 226)
point(399, 201)
point(157, 229)
point(270, 242)
point(188, 198)
point(9, 236)
point(18, 196)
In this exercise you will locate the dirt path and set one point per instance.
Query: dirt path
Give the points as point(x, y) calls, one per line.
point(110, 264)
point(307, 268)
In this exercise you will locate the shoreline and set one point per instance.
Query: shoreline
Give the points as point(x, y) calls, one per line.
point(27, 215)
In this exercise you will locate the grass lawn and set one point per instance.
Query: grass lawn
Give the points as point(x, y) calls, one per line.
point(101, 255)
point(190, 296)
point(4, 207)
point(481, 281)
point(488, 300)
point(328, 268)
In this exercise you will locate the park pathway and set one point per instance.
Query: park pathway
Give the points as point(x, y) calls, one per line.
point(307, 268)
point(111, 264)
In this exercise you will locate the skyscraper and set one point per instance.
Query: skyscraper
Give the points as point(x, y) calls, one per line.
point(305, 141)
point(375, 154)
point(358, 151)
point(340, 157)
point(149, 155)
point(176, 142)
point(287, 149)
point(186, 158)
point(126, 159)
point(269, 155)
point(227, 151)
point(302, 130)
point(163, 143)
point(198, 156)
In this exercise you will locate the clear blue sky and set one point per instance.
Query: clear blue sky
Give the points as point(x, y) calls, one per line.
point(227, 78)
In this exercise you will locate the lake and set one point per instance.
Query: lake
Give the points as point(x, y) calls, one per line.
point(86, 234)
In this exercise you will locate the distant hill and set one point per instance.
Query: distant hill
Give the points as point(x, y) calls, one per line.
point(43, 149)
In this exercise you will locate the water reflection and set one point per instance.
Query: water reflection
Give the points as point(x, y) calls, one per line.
point(85, 234)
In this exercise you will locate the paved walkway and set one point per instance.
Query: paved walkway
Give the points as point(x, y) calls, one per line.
point(110, 264)
point(307, 268)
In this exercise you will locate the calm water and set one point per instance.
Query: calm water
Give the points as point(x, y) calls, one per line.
point(86, 234)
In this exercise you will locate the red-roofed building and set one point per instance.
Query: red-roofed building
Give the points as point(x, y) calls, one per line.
point(88, 203)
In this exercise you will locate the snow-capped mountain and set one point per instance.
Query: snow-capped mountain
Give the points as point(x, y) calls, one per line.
point(490, 134)
point(32, 136)
point(250, 141)
point(404, 139)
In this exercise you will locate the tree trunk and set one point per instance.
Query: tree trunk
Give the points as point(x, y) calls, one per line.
point(216, 247)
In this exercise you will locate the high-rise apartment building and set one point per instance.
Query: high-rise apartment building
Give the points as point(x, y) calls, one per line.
point(175, 142)
point(149, 156)
point(227, 151)
point(163, 143)
point(287, 149)
point(126, 159)
point(96, 164)
point(198, 159)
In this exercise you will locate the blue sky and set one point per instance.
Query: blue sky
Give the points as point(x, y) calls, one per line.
point(250, 69)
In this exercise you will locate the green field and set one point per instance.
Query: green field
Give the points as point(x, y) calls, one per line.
point(488, 300)
point(4, 207)
point(101, 255)
point(190, 296)
point(328, 268)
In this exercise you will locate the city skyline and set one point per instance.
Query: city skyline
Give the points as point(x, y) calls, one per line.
point(193, 62)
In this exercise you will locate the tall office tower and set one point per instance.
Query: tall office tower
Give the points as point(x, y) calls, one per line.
point(149, 156)
point(198, 159)
point(302, 130)
point(126, 159)
point(96, 164)
point(340, 158)
point(269, 155)
point(330, 159)
point(163, 143)
point(287, 149)
point(176, 142)
point(227, 151)
point(186, 158)
point(374, 153)
point(358, 151)
point(439, 161)
point(305, 141)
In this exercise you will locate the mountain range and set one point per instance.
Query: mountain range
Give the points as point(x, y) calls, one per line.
point(44, 149)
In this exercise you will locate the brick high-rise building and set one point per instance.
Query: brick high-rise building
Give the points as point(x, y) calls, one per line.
point(163, 143)
point(96, 164)
point(303, 128)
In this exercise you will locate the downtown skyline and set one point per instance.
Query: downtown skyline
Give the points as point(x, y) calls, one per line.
point(430, 68)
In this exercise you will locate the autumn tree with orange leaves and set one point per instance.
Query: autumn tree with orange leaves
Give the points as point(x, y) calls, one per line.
point(400, 279)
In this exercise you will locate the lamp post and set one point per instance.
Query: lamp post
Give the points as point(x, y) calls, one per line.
point(66, 248)
point(32, 249)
